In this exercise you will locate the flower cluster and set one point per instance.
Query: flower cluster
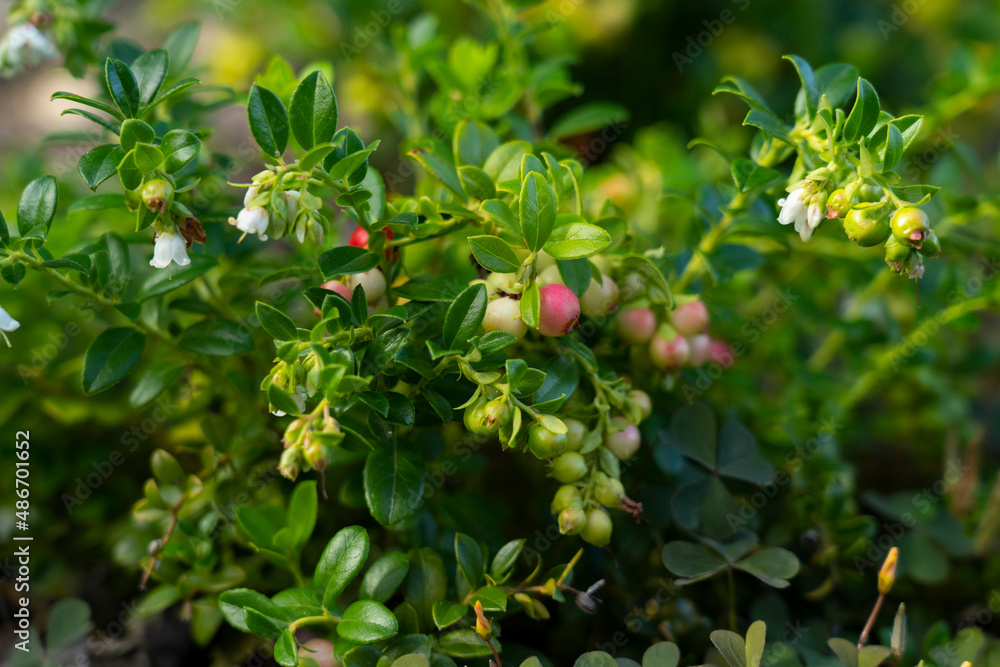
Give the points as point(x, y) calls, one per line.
point(274, 206)
point(24, 46)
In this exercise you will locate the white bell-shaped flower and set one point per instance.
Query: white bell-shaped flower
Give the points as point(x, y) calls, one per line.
point(7, 323)
point(253, 220)
point(169, 247)
point(24, 46)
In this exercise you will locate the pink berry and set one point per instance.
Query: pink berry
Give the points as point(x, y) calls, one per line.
point(700, 347)
point(559, 310)
point(690, 319)
point(338, 287)
point(636, 325)
point(720, 352)
point(624, 443)
point(669, 353)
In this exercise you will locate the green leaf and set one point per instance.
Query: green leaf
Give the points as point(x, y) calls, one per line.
point(286, 651)
point(464, 316)
point(595, 659)
point(276, 322)
point(150, 70)
point(4, 232)
point(315, 156)
point(180, 44)
point(298, 602)
point(731, 646)
point(845, 650)
point(505, 160)
point(216, 338)
point(576, 240)
point(749, 176)
point(134, 132)
point(119, 262)
point(100, 106)
point(122, 86)
point(346, 260)
point(492, 598)
point(448, 613)
point(661, 654)
point(756, 636)
point(466, 644)
point(693, 433)
point(179, 148)
point(184, 84)
point(341, 561)
point(384, 576)
point(442, 169)
point(112, 355)
point(476, 182)
point(530, 305)
point(471, 567)
point(426, 582)
point(161, 282)
point(537, 209)
point(772, 565)
point(588, 118)
point(74, 262)
point(96, 202)
point(394, 481)
point(736, 86)
point(68, 620)
point(302, 509)
point(152, 384)
point(499, 211)
point(37, 205)
point(473, 143)
point(691, 561)
point(864, 114)
point(893, 148)
point(504, 559)
point(809, 88)
point(268, 121)
point(873, 655)
point(367, 621)
point(767, 123)
point(899, 631)
point(431, 288)
point(129, 172)
point(235, 603)
point(494, 254)
point(148, 157)
point(313, 111)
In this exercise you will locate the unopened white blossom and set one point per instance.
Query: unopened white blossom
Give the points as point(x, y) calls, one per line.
point(796, 209)
point(169, 247)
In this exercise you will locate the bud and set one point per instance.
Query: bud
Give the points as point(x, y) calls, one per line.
point(158, 195)
point(572, 520)
point(290, 463)
point(887, 575)
point(569, 467)
point(483, 627)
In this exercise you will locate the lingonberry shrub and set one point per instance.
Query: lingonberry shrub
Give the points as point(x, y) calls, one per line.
point(381, 349)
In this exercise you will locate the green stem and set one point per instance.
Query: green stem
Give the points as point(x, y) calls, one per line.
point(327, 617)
point(697, 266)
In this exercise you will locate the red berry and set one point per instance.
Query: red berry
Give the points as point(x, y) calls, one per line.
point(359, 239)
point(559, 310)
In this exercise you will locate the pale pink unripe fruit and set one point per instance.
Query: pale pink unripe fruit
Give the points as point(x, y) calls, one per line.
point(720, 352)
point(559, 310)
point(669, 353)
point(624, 443)
point(338, 287)
point(550, 276)
point(690, 319)
point(373, 282)
point(700, 347)
point(504, 314)
point(320, 650)
point(636, 325)
point(543, 261)
point(600, 299)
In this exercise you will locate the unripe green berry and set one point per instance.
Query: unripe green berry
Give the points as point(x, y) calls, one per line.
point(641, 399)
point(609, 492)
point(572, 520)
point(496, 413)
point(838, 203)
point(157, 194)
point(569, 467)
point(475, 419)
point(909, 226)
point(545, 444)
point(931, 246)
point(598, 528)
point(895, 251)
point(867, 224)
point(576, 431)
point(567, 496)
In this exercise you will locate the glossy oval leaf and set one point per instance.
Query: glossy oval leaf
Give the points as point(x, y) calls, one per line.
point(112, 356)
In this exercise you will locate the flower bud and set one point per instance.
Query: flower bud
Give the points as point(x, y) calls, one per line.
point(598, 528)
point(316, 454)
point(576, 431)
point(909, 226)
point(609, 492)
point(158, 195)
point(572, 520)
point(623, 439)
point(867, 224)
point(483, 627)
point(290, 463)
point(636, 325)
point(569, 467)
point(669, 353)
point(372, 282)
point(600, 299)
point(690, 318)
point(559, 310)
point(887, 575)
point(504, 314)
point(567, 496)
point(545, 444)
